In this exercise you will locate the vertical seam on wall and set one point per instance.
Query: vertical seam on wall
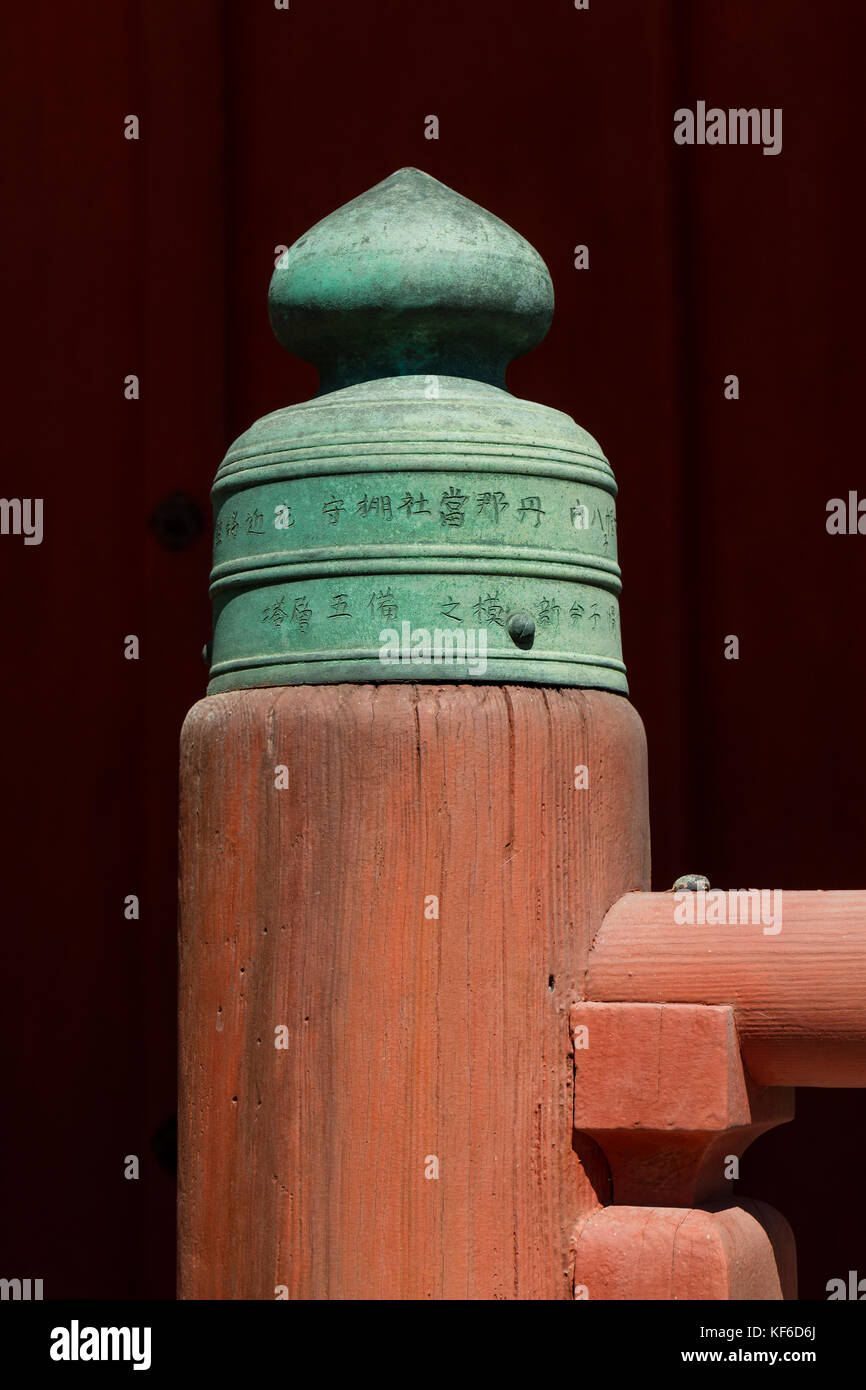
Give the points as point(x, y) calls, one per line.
point(691, 491)
point(229, 203)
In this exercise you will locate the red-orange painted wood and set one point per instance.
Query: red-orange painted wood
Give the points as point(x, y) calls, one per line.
point(732, 1250)
point(663, 1090)
point(411, 1037)
point(799, 994)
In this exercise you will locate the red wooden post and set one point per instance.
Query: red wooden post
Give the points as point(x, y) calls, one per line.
point(414, 1139)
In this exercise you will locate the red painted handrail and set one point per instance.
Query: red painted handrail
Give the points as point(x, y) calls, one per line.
point(796, 978)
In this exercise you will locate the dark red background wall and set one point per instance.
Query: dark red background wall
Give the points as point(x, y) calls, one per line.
point(153, 257)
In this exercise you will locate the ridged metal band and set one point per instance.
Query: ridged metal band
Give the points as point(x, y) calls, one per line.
point(381, 559)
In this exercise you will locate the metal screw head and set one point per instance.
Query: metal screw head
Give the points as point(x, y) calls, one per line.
point(691, 883)
point(521, 629)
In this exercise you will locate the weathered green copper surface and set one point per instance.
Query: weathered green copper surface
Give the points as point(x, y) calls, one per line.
point(414, 521)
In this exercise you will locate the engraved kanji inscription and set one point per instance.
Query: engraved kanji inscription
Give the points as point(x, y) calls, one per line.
point(301, 614)
point(491, 504)
point(451, 507)
point(531, 506)
point(383, 604)
point(340, 606)
point(490, 609)
point(548, 613)
point(275, 613)
point(377, 506)
point(415, 506)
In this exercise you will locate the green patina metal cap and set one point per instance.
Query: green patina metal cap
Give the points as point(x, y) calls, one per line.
point(414, 521)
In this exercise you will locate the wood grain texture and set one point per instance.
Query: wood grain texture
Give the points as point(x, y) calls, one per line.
point(409, 1037)
point(662, 1090)
point(799, 996)
point(728, 1250)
